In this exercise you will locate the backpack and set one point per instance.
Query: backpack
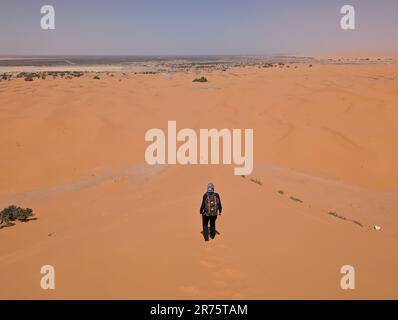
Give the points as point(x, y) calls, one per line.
point(211, 208)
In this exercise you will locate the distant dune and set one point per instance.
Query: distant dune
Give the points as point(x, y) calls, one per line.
point(359, 54)
point(325, 174)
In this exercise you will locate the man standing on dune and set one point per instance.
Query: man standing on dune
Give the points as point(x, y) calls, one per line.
point(211, 207)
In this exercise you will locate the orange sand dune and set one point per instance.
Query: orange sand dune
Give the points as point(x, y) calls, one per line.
point(114, 227)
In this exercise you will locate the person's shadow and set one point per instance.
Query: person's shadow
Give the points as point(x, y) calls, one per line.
point(209, 235)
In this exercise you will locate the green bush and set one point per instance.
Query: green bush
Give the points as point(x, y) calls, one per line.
point(201, 79)
point(13, 213)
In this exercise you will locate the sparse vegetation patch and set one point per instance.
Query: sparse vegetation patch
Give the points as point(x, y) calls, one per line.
point(201, 79)
point(13, 213)
point(334, 214)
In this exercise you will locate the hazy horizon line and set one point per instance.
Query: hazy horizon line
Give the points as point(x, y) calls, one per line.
point(204, 54)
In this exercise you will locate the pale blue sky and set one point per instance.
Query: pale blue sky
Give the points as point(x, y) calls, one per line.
point(189, 27)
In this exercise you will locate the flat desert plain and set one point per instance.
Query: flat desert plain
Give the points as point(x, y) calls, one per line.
point(325, 174)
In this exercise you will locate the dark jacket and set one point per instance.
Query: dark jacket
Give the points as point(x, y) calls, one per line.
point(203, 206)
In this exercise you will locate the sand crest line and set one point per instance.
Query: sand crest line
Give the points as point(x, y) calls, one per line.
point(138, 174)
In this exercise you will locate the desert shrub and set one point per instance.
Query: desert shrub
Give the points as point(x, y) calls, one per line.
point(337, 215)
point(296, 199)
point(97, 78)
point(357, 223)
point(13, 213)
point(256, 181)
point(334, 214)
point(268, 65)
point(201, 79)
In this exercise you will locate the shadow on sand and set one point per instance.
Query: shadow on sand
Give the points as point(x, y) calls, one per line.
point(11, 224)
point(206, 234)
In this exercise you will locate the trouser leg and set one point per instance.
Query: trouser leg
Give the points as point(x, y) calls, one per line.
point(213, 226)
point(205, 222)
